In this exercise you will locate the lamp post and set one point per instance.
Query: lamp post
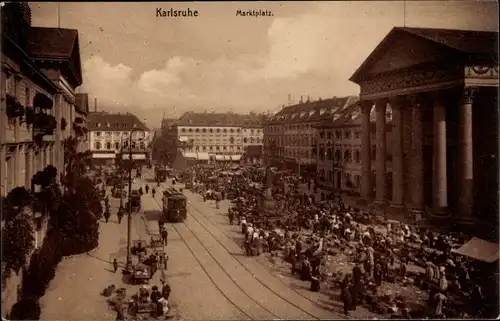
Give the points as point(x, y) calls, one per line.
point(129, 217)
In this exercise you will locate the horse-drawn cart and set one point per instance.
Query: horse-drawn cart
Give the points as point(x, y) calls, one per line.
point(138, 246)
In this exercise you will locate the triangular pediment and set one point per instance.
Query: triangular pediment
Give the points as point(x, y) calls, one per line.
point(400, 50)
point(406, 51)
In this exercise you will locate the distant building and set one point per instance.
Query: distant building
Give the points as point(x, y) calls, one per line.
point(290, 134)
point(109, 137)
point(339, 151)
point(217, 136)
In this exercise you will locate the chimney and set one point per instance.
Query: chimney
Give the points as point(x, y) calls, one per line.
point(308, 98)
point(95, 104)
point(301, 99)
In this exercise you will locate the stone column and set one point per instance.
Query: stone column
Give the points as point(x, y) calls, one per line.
point(366, 163)
point(416, 160)
point(466, 198)
point(3, 170)
point(17, 167)
point(58, 155)
point(440, 170)
point(406, 114)
point(29, 165)
point(380, 160)
point(397, 104)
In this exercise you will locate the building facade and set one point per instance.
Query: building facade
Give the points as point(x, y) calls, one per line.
point(109, 136)
point(444, 98)
point(37, 110)
point(80, 123)
point(290, 139)
point(339, 151)
point(217, 136)
point(40, 71)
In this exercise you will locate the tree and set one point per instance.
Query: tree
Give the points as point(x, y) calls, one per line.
point(18, 241)
point(14, 203)
point(77, 223)
point(26, 309)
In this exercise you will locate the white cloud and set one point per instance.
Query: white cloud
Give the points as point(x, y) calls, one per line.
point(312, 53)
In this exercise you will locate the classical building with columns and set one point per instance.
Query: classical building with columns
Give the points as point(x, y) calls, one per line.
point(442, 87)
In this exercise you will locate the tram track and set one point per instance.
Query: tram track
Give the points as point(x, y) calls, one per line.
point(248, 297)
point(257, 279)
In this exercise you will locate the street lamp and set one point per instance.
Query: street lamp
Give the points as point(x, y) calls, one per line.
point(129, 217)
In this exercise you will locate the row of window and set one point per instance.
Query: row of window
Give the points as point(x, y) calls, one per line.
point(115, 125)
point(212, 148)
point(338, 134)
point(276, 129)
point(110, 134)
point(218, 130)
point(116, 145)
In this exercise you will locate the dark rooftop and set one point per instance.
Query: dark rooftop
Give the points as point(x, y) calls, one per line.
point(51, 42)
point(82, 103)
point(102, 121)
point(312, 110)
point(56, 44)
point(221, 119)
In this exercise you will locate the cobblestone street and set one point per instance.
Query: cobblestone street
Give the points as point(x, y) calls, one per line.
point(209, 275)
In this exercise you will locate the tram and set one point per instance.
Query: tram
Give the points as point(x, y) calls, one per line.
point(174, 205)
point(160, 174)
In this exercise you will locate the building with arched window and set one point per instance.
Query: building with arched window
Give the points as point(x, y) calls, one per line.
point(339, 151)
point(109, 135)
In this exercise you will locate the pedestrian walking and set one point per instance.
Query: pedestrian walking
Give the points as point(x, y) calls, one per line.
point(107, 215)
point(115, 265)
point(164, 236)
point(153, 191)
point(147, 188)
point(120, 215)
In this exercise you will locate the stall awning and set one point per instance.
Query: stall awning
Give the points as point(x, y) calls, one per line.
point(235, 158)
point(189, 155)
point(479, 249)
point(219, 157)
point(203, 156)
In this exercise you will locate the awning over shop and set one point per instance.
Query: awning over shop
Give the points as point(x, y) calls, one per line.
point(189, 155)
point(203, 156)
point(479, 249)
point(235, 158)
point(220, 157)
point(104, 155)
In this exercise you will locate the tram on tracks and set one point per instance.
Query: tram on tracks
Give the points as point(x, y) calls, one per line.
point(161, 174)
point(174, 205)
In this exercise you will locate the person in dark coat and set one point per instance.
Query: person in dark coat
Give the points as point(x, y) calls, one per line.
point(356, 273)
point(315, 280)
point(353, 289)
point(346, 299)
point(164, 236)
point(306, 270)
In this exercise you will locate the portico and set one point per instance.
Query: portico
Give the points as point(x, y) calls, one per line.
point(442, 88)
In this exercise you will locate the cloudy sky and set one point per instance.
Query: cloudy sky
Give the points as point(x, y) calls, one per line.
point(134, 61)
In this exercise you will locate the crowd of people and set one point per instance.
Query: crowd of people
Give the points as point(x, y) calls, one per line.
point(304, 232)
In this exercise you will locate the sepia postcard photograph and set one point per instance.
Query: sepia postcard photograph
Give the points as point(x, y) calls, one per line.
point(249, 160)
